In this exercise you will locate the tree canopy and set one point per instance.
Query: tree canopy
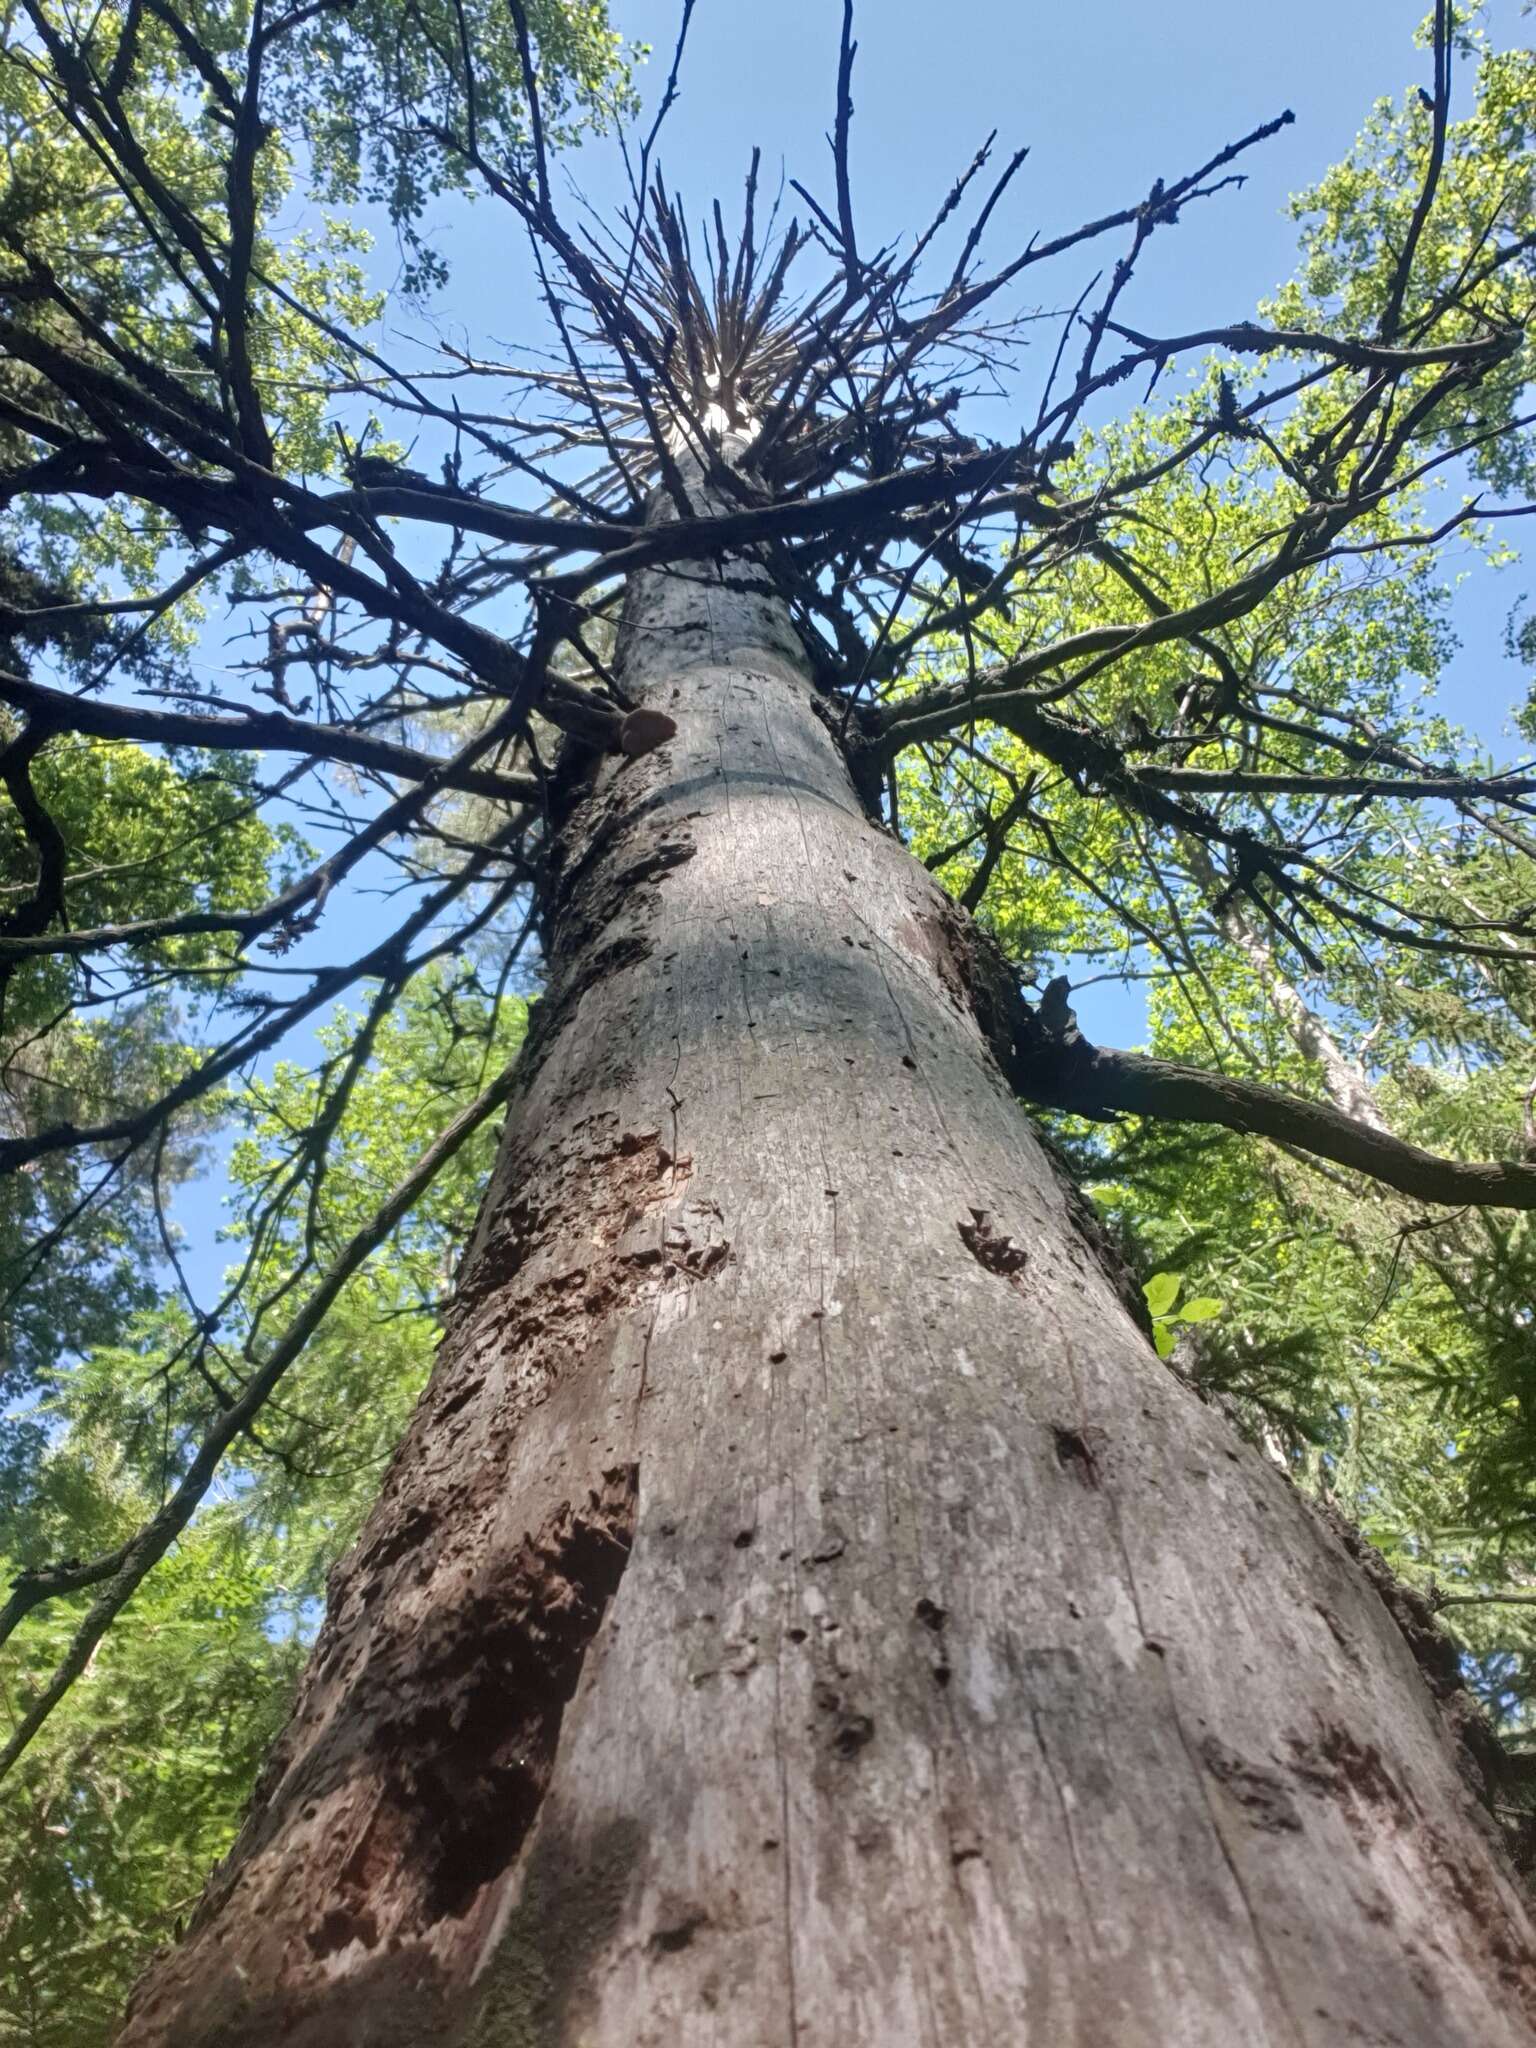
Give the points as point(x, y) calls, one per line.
point(1151, 686)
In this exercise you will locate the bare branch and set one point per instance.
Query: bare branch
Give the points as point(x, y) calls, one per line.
point(1060, 1067)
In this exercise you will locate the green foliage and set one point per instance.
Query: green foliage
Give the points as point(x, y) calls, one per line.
point(365, 102)
point(1385, 1355)
point(150, 837)
point(109, 1827)
point(1168, 1313)
point(1354, 223)
point(375, 90)
point(135, 1787)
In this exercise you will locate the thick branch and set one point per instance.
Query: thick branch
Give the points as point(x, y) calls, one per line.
point(47, 899)
point(1243, 782)
point(256, 731)
point(1066, 1071)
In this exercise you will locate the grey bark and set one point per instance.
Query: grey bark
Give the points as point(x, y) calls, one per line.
point(1346, 1083)
point(803, 1609)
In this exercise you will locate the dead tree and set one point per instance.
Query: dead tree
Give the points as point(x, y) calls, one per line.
point(803, 1608)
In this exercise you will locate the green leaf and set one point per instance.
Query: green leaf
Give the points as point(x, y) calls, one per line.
point(1200, 1310)
point(1166, 1338)
point(1162, 1291)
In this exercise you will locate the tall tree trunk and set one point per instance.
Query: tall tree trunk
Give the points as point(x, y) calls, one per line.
point(1347, 1085)
point(803, 1609)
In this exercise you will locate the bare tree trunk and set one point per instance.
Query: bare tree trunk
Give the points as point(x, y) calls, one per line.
point(803, 1610)
point(1346, 1083)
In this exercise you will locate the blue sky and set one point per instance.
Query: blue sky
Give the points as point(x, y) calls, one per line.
point(1108, 94)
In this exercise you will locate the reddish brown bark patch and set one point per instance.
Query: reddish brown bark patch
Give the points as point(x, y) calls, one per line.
point(1080, 1452)
point(1478, 1751)
point(1334, 1764)
point(458, 1723)
point(937, 936)
point(613, 1180)
point(644, 729)
point(464, 1756)
point(991, 1247)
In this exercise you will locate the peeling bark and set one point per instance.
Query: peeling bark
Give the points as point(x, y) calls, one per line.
point(903, 1655)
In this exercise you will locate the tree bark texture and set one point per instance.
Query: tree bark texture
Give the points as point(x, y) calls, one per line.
point(803, 1610)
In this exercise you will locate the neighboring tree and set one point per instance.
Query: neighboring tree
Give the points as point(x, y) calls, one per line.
point(801, 1602)
point(81, 1236)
